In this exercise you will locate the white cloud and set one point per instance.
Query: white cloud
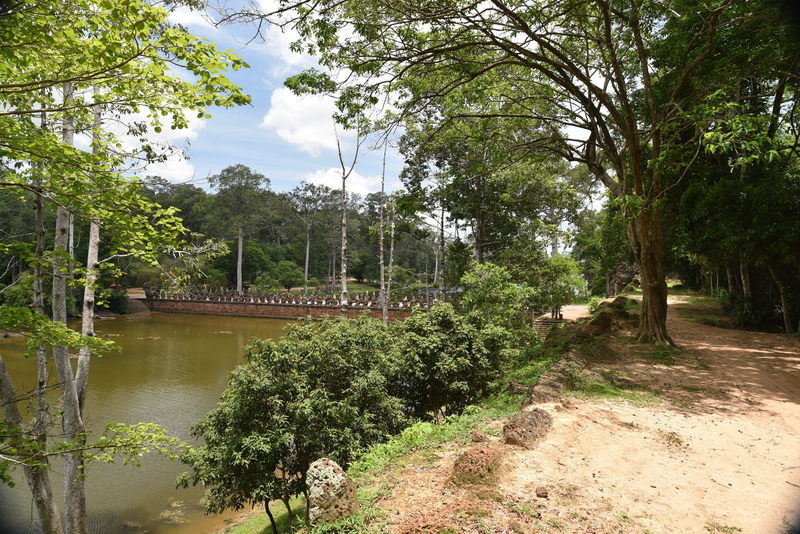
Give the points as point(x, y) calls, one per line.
point(189, 17)
point(304, 121)
point(356, 183)
point(175, 169)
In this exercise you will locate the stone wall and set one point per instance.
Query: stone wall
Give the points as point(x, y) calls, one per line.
point(262, 309)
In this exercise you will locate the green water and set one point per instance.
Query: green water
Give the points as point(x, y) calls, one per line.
point(171, 371)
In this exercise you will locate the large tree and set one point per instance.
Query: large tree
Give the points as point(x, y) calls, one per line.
point(580, 73)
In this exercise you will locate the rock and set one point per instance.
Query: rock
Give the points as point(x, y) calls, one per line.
point(527, 428)
point(541, 492)
point(477, 465)
point(478, 436)
point(331, 493)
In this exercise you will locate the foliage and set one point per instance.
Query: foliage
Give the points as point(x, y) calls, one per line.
point(446, 361)
point(288, 274)
point(491, 295)
point(321, 389)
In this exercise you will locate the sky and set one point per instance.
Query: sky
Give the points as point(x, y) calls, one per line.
point(284, 137)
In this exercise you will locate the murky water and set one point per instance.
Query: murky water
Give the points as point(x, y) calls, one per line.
point(171, 371)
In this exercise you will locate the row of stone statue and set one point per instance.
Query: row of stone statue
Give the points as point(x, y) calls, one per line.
point(359, 300)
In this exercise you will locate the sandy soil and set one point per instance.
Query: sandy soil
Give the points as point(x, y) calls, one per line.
point(719, 453)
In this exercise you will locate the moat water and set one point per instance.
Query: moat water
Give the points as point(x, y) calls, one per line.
point(171, 370)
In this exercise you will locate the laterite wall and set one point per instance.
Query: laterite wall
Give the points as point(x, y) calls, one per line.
point(251, 309)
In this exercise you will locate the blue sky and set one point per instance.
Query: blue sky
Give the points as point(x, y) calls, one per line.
point(285, 137)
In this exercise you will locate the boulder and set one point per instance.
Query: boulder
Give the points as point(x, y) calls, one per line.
point(526, 429)
point(331, 493)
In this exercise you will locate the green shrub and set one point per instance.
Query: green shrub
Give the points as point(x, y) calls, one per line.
point(445, 360)
point(321, 390)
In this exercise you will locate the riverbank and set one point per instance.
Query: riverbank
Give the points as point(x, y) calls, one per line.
point(696, 440)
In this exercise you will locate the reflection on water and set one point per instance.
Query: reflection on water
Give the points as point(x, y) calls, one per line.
point(171, 371)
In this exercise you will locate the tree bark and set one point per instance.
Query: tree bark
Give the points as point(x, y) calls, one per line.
point(786, 305)
point(343, 269)
point(382, 298)
point(391, 253)
point(39, 480)
point(240, 245)
point(72, 423)
point(271, 518)
point(308, 250)
point(644, 234)
point(747, 290)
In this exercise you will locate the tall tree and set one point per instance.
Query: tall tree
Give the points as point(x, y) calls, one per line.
point(308, 200)
point(238, 189)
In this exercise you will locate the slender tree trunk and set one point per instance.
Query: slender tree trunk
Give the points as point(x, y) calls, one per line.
point(39, 480)
point(733, 287)
point(72, 422)
point(747, 290)
point(343, 273)
point(308, 250)
point(442, 253)
point(271, 518)
point(288, 506)
point(240, 245)
point(786, 305)
point(87, 313)
point(382, 298)
point(644, 233)
point(391, 253)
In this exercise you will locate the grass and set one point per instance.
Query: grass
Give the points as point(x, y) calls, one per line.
point(661, 355)
point(714, 527)
point(593, 386)
point(261, 525)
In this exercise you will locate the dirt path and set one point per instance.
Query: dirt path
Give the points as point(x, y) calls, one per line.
point(719, 453)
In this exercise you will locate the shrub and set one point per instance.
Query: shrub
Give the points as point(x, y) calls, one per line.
point(490, 294)
point(445, 361)
point(319, 391)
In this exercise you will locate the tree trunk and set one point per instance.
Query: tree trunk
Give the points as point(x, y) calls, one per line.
point(786, 305)
point(271, 518)
point(442, 253)
point(382, 296)
point(87, 313)
point(39, 480)
point(391, 253)
point(644, 233)
point(72, 422)
point(733, 287)
point(288, 506)
point(305, 267)
point(747, 290)
point(240, 245)
point(343, 273)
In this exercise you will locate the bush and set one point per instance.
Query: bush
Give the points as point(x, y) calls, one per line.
point(445, 361)
point(320, 390)
point(116, 301)
point(490, 293)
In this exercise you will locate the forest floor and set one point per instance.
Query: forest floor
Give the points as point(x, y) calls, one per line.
point(702, 439)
